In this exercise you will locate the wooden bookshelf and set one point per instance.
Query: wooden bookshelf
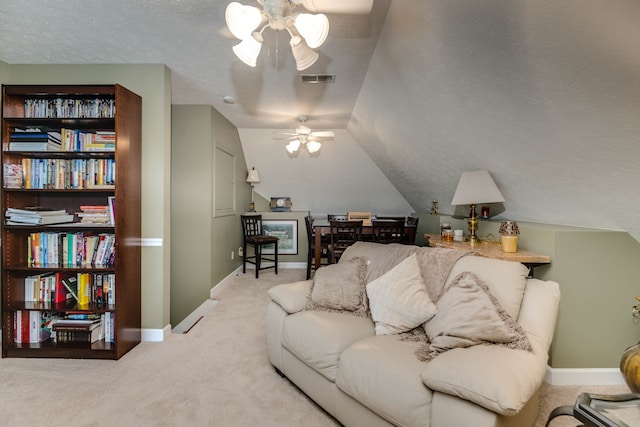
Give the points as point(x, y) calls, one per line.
point(90, 110)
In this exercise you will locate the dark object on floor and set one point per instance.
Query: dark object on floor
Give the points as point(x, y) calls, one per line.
point(600, 410)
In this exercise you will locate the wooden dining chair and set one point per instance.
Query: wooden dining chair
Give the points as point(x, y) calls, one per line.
point(311, 238)
point(254, 237)
point(343, 234)
point(388, 231)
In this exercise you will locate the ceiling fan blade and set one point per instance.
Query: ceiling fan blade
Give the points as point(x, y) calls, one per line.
point(353, 7)
point(323, 134)
point(286, 137)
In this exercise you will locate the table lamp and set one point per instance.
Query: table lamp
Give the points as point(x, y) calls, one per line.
point(476, 187)
point(253, 179)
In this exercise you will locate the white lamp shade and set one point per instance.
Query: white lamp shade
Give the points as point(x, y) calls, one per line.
point(248, 50)
point(252, 176)
point(313, 146)
point(293, 146)
point(305, 56)
point(476, 187)
point(314, 28)
point(242, 20)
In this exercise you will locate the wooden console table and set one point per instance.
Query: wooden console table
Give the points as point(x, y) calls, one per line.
point(492, 250)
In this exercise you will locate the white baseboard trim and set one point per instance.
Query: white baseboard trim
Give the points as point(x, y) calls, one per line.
point(156, 335)
point(193, 318)
point(221, 285)
point(584, 376)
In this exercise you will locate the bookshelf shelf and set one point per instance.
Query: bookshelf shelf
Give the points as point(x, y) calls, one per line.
point(48, 109)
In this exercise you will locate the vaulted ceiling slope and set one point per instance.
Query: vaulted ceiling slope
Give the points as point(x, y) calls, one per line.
point(544, 94)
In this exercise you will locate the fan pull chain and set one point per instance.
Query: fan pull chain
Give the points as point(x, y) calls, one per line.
point(277, 51)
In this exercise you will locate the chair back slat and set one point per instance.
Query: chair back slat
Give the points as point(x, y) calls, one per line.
point(345, 233)
point(388, 231)
point(251, 225)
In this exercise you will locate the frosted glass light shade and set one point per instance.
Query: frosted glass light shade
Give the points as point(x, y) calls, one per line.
point(313, 146)
point(305, 57)
point(242, 20)
point(293, 146)
point(476, 187)
point(249, 49)
point(313, 28)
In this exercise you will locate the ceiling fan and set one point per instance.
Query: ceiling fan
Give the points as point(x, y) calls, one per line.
point(303, 135)
point(307, 31)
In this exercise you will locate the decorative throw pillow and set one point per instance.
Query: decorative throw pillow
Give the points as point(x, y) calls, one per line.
point(399, 300)
point(469, 315)
point(340, 286)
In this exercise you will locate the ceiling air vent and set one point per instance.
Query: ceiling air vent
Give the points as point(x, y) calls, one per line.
point(317, 78)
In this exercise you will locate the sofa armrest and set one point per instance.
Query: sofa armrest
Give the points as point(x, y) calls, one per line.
point(495, 377)
point(292, 297)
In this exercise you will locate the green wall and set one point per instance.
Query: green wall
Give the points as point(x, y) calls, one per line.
point(599, 276)
point(153, 83)
point(203, 238)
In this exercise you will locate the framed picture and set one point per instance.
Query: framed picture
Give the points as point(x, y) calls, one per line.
point(284, 229)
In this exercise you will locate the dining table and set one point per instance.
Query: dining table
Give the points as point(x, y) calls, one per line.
point(322, 227)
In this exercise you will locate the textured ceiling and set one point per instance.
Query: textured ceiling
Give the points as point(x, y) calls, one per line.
point(191, 38)
point(545, 94)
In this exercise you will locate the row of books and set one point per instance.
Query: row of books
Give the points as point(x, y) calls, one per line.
point(67, 249)
point(32, 326)
point(71, 140)
point(69, 108)
point(60, 174)
point(85, 289)
point(80, 140)
point(37, 216)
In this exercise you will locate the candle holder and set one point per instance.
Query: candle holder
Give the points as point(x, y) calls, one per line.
point(509, 236)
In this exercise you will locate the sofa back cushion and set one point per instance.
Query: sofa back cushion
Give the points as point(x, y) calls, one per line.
point(380, 257)
point(506, 280)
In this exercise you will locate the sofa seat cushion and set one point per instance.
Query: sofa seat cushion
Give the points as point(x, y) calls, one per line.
point(318, 337)
point(382, 373)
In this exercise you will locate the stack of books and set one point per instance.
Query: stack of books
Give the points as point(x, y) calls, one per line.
point(101, 141)
point(37, 215)
point(77, 330)
point(34, 140)
point(94, 214)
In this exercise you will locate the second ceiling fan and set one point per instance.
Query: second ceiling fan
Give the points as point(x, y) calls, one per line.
point(303, 135)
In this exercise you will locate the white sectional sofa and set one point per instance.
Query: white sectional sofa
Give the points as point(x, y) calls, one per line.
point(352, 363)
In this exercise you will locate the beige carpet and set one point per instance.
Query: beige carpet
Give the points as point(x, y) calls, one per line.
point(218, 374)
